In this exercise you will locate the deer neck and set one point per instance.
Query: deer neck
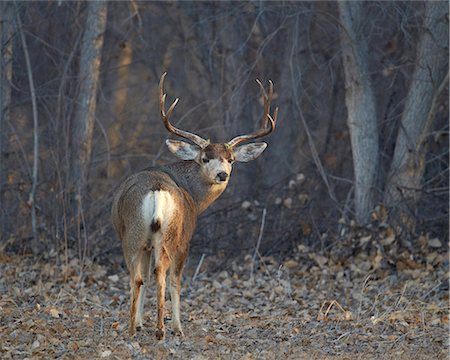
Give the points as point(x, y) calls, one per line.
point(188, 176)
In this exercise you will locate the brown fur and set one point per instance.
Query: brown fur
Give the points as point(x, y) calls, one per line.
point(218, 151)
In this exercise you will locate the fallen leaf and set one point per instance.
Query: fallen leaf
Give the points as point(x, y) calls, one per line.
point(114, 278)
point(106, 353)
point(436, 321)
point(287, 202)
point(209, 339)
point(365, 239)
point(319, 259)
point(300, 178)
point(291, 264)
point(74, 346)
point(54, 313)
point(389, 236)
point(434, 243)
point(303, 198)
point(246, 205)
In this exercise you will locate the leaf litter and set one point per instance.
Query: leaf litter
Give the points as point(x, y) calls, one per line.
point(358, 301)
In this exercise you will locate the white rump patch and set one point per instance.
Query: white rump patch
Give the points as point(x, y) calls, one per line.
point(158, 205)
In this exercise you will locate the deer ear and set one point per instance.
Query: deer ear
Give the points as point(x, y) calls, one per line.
point(182, 149)
point(249, 152)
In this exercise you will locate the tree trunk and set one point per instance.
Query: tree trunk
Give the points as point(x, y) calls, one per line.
point(115, 168)
point(89, 71)
point(430, 77)
point(6, 52)
point(34, 176)
point(360, 101)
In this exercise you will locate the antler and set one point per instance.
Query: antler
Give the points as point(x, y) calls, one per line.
point(166, 116)
point(265, 119)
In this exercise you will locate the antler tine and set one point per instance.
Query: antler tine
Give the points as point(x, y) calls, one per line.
point(265, 130)
point(267, 101)
point(166, 116)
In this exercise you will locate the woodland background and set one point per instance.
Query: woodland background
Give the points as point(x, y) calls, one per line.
point(332, 245)
point(362, 136)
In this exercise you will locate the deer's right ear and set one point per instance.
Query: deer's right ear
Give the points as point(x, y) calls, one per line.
point(183, 150)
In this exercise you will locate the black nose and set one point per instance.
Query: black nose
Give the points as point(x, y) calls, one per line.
point(222, 176)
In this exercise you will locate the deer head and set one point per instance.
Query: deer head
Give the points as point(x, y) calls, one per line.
point(216, 159)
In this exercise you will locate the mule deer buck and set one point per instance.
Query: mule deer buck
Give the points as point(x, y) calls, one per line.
point(155, 211)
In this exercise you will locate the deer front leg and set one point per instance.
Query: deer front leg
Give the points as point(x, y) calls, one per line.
point(160, 273)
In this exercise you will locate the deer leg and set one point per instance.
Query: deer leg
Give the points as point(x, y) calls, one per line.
point(133, 258)
point(161, 266)
point(175, 288)
point(135, 284)
point(144, 265)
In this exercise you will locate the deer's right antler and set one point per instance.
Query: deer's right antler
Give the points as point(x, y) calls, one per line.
point(264, 130)
point(166, 116)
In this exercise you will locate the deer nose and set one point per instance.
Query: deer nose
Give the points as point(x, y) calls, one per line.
point(222, 176)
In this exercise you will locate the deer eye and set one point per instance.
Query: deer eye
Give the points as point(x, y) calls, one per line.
point(205, 160)
point(230, 161)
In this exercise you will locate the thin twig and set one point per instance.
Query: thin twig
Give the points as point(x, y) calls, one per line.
point(198, 268)
point(401, 295)
point(258, 243)
point(366, 281)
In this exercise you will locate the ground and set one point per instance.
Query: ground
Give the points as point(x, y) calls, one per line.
point(330, 305)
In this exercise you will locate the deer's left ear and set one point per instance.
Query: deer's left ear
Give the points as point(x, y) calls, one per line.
point(183, 150)
point(249, 152)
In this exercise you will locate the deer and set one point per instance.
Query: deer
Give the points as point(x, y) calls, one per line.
point(155, 211)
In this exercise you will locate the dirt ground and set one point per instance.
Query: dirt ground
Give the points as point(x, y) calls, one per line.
point(335, 305)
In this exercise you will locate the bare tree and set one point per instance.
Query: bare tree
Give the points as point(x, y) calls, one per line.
point(34, 176)
point(120, 101)
point(430, 77)
point(6, 55)
point(360, 101)
point(89, 70)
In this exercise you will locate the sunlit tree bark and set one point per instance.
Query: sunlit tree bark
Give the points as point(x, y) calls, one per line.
point(120, 101)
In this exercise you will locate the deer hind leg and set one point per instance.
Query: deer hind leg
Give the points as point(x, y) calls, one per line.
point(138, 266)
point(176, 269)
point(135, 284)
point(144, 265)
point(161, 265)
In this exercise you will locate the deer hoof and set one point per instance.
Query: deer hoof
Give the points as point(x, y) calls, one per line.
point(160, 334)
point(132, 331)
point(178, 332)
